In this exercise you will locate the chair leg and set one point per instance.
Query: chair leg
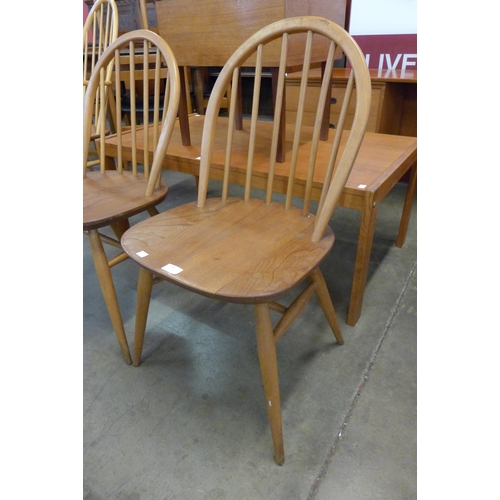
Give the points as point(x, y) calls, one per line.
point(108, 290)
point(152, 211)
point(326, 303)
point(266, 347)
point(120, 227)
point(144, 286)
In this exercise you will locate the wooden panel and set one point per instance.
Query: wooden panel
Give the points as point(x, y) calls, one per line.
point(409, 114)
point(338, 91)
point(207, 32)
point(331, 9)
point(393, 106)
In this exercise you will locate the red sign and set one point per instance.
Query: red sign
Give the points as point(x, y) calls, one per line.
point(389, 51)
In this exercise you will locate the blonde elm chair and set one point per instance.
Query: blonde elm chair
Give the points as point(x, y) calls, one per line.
point(112, 195)
point(252, 249)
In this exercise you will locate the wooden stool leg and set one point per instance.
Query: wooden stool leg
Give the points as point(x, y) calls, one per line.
point(108, 290)
point(266, 348)
point(144, 286)
point(326, 303)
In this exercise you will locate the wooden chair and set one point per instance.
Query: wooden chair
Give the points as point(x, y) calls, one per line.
point(255, 250)
point(99, 31)
point(111, 196)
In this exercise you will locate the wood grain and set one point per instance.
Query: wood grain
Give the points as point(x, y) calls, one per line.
point(194, 30)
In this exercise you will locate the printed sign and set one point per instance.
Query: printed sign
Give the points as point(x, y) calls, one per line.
point(386, 31)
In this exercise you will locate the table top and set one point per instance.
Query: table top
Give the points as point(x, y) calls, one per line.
point(381, 160)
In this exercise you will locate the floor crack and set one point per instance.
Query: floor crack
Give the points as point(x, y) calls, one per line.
point(335, 445)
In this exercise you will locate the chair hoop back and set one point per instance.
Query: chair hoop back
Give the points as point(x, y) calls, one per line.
point(343, 152)
point(150, 86)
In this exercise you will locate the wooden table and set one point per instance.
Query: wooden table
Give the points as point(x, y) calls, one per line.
point(203, 34)
point(381, 162)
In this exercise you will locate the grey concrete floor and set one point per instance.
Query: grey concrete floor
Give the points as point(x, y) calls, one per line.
point(191, 423)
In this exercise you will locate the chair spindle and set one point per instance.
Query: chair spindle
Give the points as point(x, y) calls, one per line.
point(119, 116)
point(254, 118)
point(277, 116)
point(298, 123)
point(145, 106)
point(325, 93)
point(330, 171)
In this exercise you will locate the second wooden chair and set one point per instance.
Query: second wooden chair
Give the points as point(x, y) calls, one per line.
point(112, 195)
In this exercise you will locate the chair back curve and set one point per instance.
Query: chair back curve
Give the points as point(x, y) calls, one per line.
point(330, 169)
point(152, 67)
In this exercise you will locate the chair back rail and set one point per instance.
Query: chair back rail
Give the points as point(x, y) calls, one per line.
point(99, 31)
point(143, 14)
point(102, 26)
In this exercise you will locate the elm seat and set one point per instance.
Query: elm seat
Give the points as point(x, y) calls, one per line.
point(114, 196)
point(265, 261)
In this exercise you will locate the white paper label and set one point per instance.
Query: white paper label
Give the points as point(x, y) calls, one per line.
point(171, 269)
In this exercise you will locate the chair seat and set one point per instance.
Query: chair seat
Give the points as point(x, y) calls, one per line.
point(112, 197)
point(239, 251)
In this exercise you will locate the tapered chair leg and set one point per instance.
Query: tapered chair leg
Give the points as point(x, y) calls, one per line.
point(266, 348)
point(108, 289)
point(144, 286)
point(326, 303)
point(120, 227)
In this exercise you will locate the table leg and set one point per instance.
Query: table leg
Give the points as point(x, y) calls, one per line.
point(325, 124)
point(280, 154)
point(365, 241)
point(238, 95)
point(197, 77)
point(405, 217)
point(183, 113)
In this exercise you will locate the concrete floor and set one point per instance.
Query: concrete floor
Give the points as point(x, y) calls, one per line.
point(191, 423)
